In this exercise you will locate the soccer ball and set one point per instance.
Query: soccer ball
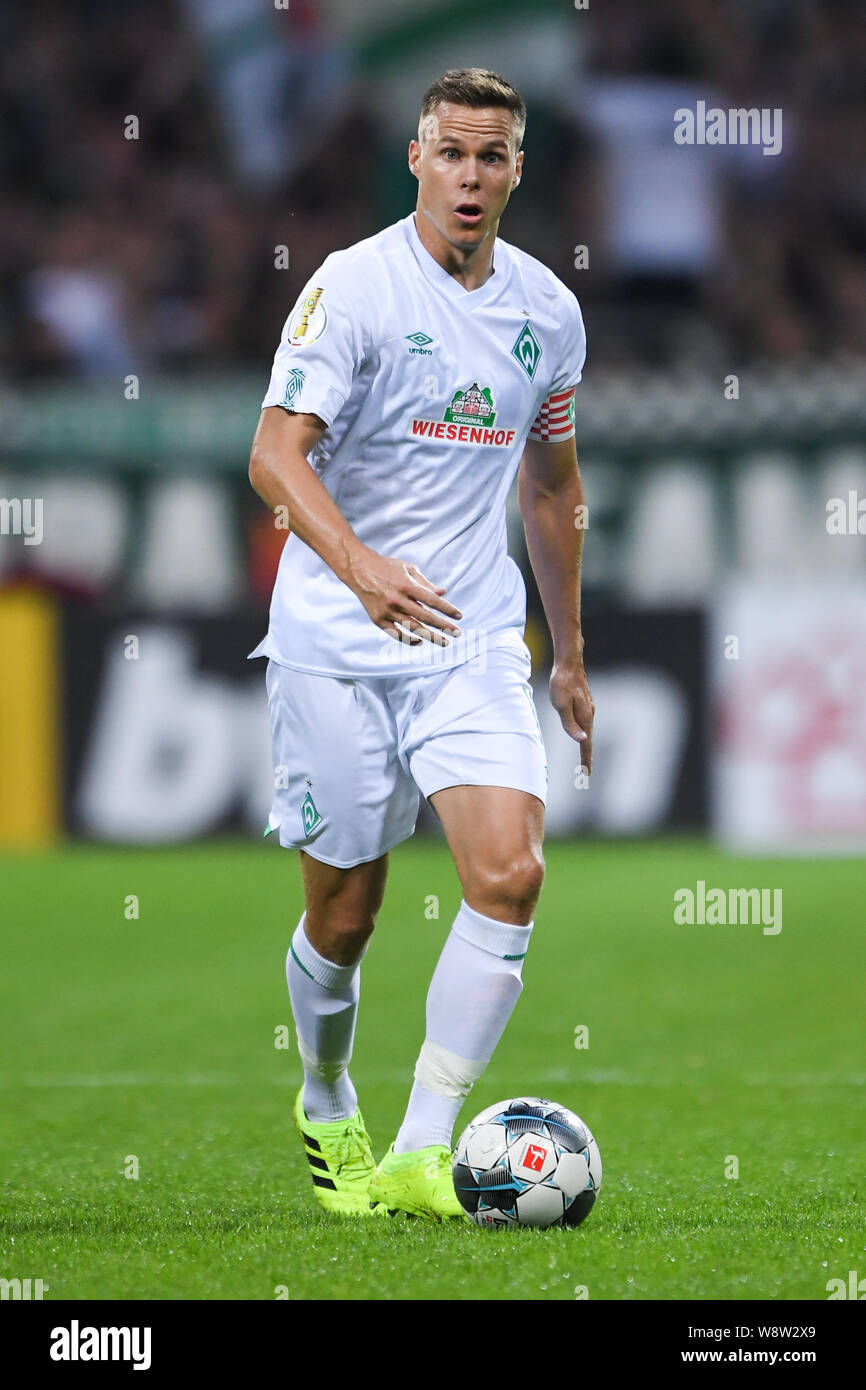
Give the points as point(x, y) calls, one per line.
point(527, 1162)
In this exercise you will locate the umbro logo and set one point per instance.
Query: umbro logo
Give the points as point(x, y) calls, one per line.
point(422, 343)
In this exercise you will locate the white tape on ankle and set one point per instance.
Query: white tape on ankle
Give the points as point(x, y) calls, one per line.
point(329, 1072)
point(446, 1074)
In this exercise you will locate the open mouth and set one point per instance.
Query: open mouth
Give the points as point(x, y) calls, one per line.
point(469, 214)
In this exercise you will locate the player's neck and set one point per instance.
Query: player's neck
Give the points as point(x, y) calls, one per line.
point(471, 269)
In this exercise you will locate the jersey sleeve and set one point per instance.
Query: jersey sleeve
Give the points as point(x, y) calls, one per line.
point(323, 344)
point(555, 419)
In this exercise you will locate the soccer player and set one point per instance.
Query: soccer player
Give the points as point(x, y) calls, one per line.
point(414, 373)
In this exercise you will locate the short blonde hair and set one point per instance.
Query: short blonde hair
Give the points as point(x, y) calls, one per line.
point(478, 88)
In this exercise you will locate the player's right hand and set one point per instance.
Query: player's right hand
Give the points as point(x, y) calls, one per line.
point(401, 600)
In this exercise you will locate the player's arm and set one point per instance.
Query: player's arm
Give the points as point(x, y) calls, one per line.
point(551, 500)
point(392, 591)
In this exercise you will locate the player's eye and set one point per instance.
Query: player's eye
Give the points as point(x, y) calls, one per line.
point(495, 157)
point(451, 151)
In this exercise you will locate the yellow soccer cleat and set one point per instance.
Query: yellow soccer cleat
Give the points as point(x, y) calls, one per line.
point(419, 1183)
point(341, 1162)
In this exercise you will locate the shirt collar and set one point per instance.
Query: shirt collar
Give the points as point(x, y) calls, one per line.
point(438, 276)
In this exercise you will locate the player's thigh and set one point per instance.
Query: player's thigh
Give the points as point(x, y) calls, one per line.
point(495, 835)
point(475, 749)
point(341, 792)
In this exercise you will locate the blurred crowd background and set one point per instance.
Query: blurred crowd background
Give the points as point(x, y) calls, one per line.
point(157, 155)
point(262, 126)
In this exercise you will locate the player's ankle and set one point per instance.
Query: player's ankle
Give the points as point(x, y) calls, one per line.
point(411, 1139)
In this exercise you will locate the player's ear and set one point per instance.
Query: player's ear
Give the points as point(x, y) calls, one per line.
point(414, 156)
point(518, 170)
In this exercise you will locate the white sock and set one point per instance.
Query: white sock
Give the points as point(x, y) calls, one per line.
point(325, 1005)
point(474, 989)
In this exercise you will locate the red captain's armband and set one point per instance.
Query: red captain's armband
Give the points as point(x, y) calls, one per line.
point(555, 419)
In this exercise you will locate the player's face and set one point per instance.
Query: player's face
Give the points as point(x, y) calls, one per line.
point(466, 165)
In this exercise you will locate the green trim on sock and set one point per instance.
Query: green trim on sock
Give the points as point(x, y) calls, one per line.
point(300, 965)
point(522, 956)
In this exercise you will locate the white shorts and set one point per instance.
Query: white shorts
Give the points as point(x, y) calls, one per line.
point(351, 754)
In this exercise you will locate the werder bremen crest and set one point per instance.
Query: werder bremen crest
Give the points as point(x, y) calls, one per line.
point(527, 350)
point(474, 406)
point(310, 815)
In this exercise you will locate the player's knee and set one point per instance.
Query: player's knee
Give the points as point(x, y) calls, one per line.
point(342, 906)
point(340, 934)
point(514, 884)
point(357, 926)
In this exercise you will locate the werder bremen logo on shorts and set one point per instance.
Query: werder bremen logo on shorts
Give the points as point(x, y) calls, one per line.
point(474, 406)
point(310, 815)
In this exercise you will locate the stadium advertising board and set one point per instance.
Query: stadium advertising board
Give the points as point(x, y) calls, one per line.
point(788, 674)
point(166, 731)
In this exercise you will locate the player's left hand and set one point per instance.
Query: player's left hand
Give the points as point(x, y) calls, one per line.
point(570, 697)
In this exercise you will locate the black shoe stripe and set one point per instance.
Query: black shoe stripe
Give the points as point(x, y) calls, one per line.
point(317, 1162)
point(313, 1143)
point(324, 1182)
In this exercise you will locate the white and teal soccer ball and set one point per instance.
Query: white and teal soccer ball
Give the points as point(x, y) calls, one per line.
point(527, 1162)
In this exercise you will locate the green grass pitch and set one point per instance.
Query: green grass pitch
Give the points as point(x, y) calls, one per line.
point(154, 1038)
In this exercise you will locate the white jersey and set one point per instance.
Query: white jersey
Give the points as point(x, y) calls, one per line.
point(429, 393)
